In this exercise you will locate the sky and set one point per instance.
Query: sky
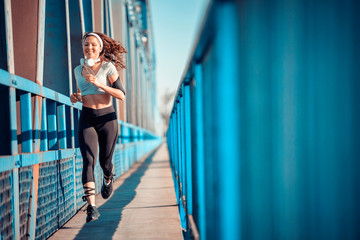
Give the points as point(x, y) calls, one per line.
point(175, 27)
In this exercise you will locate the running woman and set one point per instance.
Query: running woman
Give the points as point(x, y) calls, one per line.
point(98, 81)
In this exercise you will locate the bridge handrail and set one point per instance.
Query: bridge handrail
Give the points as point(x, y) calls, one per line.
point(20, 83)
point(185, 135)
point(44, 152)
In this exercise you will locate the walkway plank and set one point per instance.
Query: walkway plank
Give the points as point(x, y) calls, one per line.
point(143, 206)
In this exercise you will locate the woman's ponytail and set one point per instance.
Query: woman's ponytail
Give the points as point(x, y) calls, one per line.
point(112, 51)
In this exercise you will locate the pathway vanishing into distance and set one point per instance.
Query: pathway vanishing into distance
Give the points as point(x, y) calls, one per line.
point(143, 206)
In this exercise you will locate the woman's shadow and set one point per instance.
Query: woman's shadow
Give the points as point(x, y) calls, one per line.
point(111, 211)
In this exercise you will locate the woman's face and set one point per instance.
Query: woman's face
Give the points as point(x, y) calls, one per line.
point(91, 48)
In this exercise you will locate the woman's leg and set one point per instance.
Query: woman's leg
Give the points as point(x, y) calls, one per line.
point(88, 140)
point(108, 134)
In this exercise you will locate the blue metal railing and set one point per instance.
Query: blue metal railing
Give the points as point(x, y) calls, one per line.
point(42, 176)
point(263, 136)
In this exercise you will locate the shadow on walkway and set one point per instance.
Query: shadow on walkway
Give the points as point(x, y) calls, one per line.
point(111, 211)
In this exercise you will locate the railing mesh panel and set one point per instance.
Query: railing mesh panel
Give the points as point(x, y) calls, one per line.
point(79, 186)
point(24, 198)
point(66, 190)
point(6, 217)
point(48, 211)
point(118, 163)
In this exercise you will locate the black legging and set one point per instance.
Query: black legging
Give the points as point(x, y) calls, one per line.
point(97, 126)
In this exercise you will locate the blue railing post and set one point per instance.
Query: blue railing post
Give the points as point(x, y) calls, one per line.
point(43, 134)
point(51, 122)
point(37, 123)
point(177, 146)
point(15, 172)
point(72, 126)
point(61, 123)
point(118, 140)
point(200, 161)
point(229, 182)
point(176, 153)
point(134, 134)
point(26, 122)
point(27, 147)
point(188, 149)
point(183, 159)
point(141, 134)
point(172, 135)
point(182, 138)
point(125, 133)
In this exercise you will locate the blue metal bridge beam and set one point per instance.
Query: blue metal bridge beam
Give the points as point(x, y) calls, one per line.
point(226, 45)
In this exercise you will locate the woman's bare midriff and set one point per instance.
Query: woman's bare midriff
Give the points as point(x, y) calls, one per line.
point(96, 101)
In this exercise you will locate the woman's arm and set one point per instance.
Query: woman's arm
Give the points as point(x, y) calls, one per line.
point(112, 91)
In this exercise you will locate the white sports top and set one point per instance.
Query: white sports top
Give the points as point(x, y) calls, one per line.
point(106, 70)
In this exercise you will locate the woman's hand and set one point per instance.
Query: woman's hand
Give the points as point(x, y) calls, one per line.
point(92, 79)
point(75, 97)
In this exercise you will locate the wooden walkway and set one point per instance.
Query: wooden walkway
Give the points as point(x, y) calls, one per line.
point(143, 206)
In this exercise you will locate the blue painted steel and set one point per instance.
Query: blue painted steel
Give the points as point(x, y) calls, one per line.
point(13, 123)
point(180, 164)
point(37, 124)
point(141, 134)
point(178, 142)
point(8, 163)
point(69, 125)
point(182, 137)
point(26, 85)
point(52, 126)
point(200, 165)
point(28, 159)
point(188, 149)
point(124, 133)
point(175, 155)
point(26, 123)
point(88, 12)
point(173, 146)
point(127, 132)
point(226, 46)
point(56, 73)
point(75, 29)
point(61, 123)
point(133, 134)
point(43, 134)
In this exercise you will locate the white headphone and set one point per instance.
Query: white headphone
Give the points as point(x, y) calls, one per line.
point(89, 61)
